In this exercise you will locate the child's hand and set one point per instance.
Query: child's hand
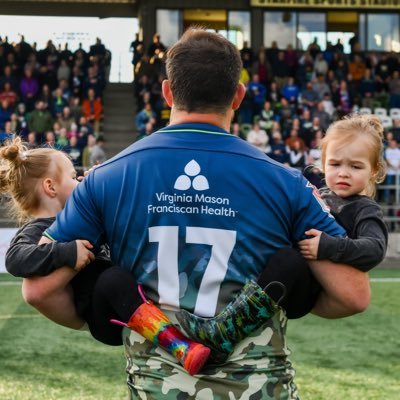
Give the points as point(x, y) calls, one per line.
point(83, 255)
point(86, 173)
point(309, 247)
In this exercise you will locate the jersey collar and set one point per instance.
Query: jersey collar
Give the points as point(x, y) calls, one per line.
point(195, 128)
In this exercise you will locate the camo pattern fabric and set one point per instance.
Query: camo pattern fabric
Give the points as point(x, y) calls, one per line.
point(258, 369)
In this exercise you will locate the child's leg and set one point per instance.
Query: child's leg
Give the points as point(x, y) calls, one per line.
point(286, 273)
point(290, 268)
point(116, 296)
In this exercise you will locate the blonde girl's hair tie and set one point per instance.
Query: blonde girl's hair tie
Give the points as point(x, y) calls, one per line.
point(23, 155)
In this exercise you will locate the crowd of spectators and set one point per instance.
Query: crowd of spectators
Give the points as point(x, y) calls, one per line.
point(291, 98)
point(53, 97)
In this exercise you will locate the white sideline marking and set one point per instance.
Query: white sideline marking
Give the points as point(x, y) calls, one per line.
point(17, 316)
point(385, 280)
point(10, 283)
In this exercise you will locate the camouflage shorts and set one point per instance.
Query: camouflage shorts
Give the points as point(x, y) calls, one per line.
point(258, 369)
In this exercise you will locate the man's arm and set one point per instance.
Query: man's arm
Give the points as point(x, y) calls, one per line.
point(346, 290)
point(53, 297)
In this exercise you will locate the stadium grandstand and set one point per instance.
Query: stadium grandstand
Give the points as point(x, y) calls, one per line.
point(305, 64)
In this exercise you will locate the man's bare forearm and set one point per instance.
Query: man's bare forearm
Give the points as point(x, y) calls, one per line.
point(346, 290)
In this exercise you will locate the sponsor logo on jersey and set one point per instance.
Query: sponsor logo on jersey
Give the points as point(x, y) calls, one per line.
point(192, 178)
point(191, 202)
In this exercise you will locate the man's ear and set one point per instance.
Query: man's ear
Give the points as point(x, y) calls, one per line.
point(166, 91)
point(240, 92)
point(48, 187)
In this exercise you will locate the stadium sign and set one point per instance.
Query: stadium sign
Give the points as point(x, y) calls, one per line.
point(372, 4)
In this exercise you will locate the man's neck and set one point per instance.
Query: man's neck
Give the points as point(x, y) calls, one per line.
point(182, 117)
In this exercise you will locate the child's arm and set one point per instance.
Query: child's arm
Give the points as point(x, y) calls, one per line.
point(25, 258)
point(363, 253)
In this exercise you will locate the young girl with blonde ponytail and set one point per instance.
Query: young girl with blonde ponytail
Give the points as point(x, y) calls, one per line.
point(64, 281)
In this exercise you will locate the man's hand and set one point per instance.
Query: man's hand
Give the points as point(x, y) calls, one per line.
point(309, 247)
point(83, 255)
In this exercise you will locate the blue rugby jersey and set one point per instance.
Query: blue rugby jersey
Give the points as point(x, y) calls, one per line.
point(194, 213)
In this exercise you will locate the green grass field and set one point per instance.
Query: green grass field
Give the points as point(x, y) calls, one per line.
point(356, 358)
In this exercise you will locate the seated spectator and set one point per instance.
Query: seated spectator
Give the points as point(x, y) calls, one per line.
point(29, 89)
point(244, 76)
point(49, 140)
point(22, 119)
point(297, 156)
point(245, 111)
point(94, 81)
point(286, 114)
point(396, 129)
point(66, 119)
point(59, 103)
point(46, 96)
point(9, 77)
point(31, 141)
point(392, 158)
point(66, 91)
point(258, 93)
point(235, 129)
point(280, 70)
point(84, 124)
point(306, 127)
point(247, 56)
point(62, 140)
point(76, 108)
point(258, 138)
point(8, 94)
point(63, 71)
point(5, 113)
point(293, 139)
point(291, 91)
point(368, 84)
point(342, 99)
point(274, 96)
point(77, 81)
point(143, 117)
point(309, 97)
point(305, 70)
point(320, 86)
point(394, 90)
point(92, 110)
point(291, 59)
point(163, 115)
point(320, 65)
point(266, 117)
point(357, 69)
point(314, 154)
point(328, 106)
point(40, 120)
point(323, 116)
point(97, 154)
point(87, 151)
point(278, 149)
point(262, 68)
point(74, 151)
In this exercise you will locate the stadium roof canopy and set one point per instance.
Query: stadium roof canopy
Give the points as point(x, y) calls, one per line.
point(85, 8)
